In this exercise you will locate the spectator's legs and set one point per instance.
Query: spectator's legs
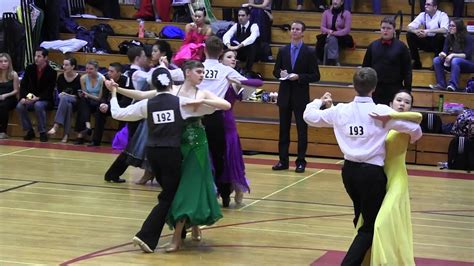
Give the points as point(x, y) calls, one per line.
point(413, 43)
point(5, 107)
point(277, 4)
point(248, 53)
point(320, 5)
point(284, 135)
point(459, 65)
point(100, 119)
point(302, 129)
point(22, 110)
point(40, 110)
point(437, 43)
point(299, 4)
point(348, 5)
point(164, 8)
point(439, 71)
point(458, 8)
point(377, 6)
point(83, 114)
point(71, 101)
point(332, 50)
point(64, 112)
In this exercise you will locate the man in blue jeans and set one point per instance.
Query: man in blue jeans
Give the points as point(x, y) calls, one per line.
point(36, 93)
point(376, 6)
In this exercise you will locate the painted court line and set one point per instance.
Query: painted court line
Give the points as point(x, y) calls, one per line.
point(72, 213)
point(15, 152)
point(280, 190)
point(247, 160)
point(17, 187)
point(16, 262)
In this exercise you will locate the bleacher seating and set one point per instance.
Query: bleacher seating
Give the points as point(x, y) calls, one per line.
point(258, 122)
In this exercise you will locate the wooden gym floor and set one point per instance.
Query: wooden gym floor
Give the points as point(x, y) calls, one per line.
point(55, 209)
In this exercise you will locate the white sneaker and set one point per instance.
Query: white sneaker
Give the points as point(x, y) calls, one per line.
point(451, 88)
point(436, 87)
point(143, 246)
point(3, 135)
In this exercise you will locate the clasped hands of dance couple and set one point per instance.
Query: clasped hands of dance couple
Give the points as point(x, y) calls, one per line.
point(112, 87)
point(327, 102)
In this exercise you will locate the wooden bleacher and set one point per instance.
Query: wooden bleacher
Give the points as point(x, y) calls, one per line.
point(258, 122)
point(347, 56)
point(282, 16)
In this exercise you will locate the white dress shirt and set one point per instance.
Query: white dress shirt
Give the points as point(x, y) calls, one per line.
point(215, 77)
point(254, 34)
point(360, 137)
point(139, 110)
point(439, 20)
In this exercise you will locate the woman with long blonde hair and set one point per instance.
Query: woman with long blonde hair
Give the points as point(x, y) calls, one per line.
point(9, 89)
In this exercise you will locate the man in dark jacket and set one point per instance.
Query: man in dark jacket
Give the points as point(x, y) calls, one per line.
point(36, 93)
point(296, 66)
point(391, 60)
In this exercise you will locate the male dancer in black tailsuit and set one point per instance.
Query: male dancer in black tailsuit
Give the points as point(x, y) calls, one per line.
point(216, 80)
point(296, 64)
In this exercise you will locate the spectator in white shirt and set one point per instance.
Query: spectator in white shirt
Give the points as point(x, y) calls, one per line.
point(243, 38)
point(458, 7)
point(362, 141)
point(431, 36)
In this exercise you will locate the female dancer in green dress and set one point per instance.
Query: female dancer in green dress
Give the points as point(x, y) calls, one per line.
point(393, 238)
point(195, 202)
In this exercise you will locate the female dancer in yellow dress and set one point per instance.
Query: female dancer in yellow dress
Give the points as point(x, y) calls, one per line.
point(393, 238)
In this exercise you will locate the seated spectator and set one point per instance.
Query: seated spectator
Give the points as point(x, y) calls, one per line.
point(160, 48)
point(89, 100)
point(243, 38)
point(193, 44)
point(458, 7)
point(261, 14)
point(114, 73)
point(204, 5)
point(335, 29)
point(376, 6)
point(9, 89)
point(68, 84)
point(430, 38)
point(36, 93)
point(457, 56)
point(161, 53)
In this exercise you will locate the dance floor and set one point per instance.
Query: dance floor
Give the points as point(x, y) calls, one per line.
point(55, 208)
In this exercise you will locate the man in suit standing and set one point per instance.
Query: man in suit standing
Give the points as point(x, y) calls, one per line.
point(296, 67)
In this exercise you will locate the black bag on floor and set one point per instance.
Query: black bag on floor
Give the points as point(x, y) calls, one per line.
point(461, 154)
point(101, 32)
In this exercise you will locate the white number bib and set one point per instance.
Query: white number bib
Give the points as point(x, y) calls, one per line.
point(163, 117)
point(355, 131)
point(211, 73)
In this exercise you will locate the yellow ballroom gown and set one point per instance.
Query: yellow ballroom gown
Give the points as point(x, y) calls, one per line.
point(393, 238)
